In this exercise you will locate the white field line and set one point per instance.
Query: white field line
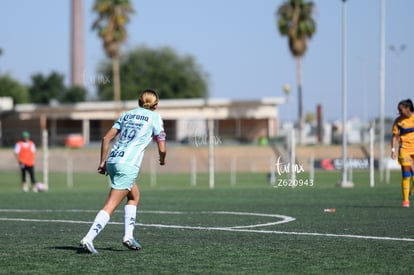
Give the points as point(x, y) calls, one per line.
point(281, 218)
point(230, 229)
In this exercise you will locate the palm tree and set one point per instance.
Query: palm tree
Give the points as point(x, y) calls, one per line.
point(294, 20)
point(111, 26)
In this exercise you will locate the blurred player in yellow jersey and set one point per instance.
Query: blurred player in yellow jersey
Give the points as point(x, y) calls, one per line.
point(403, 133)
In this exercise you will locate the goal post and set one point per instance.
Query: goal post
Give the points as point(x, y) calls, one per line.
point(45, 149)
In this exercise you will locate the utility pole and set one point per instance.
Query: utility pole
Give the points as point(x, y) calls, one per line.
point(77, 44)
point(382, 89)
point(344, 182)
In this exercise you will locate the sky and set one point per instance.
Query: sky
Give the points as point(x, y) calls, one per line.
point(237, 44)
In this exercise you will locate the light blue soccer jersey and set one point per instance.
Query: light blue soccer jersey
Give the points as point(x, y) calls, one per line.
point(137, 128)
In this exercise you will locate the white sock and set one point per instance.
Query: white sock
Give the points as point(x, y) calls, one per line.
point(129, 220)
point(101, 219)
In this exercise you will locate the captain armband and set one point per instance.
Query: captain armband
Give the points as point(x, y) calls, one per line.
point(161, 137)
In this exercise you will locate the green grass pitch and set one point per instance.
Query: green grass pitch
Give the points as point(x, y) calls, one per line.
point(246, 228)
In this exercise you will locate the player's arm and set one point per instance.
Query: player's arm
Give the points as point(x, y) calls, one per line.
point(16, 153)
point(394, 140)
point(105, 143)
point(162, 147)
point(162, 151)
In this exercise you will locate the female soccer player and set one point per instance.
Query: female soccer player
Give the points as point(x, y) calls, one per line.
point(136, 129)
point(403, 132)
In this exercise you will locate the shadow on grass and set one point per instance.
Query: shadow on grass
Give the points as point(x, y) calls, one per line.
point(80, 250)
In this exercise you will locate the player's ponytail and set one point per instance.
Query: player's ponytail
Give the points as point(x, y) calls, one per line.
point(148, 99)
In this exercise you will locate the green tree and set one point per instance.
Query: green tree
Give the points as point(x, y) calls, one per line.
point(294, 20)
point(43, 89)
point(111, 26)
point(74, 94)
point(172, 75)
point(12, 88)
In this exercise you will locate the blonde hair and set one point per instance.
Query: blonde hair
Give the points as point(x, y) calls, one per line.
point(148, 99)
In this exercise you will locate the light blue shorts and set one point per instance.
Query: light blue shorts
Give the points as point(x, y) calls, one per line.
point(122, 175)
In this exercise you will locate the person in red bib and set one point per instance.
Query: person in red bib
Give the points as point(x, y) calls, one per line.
point(24, 151)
